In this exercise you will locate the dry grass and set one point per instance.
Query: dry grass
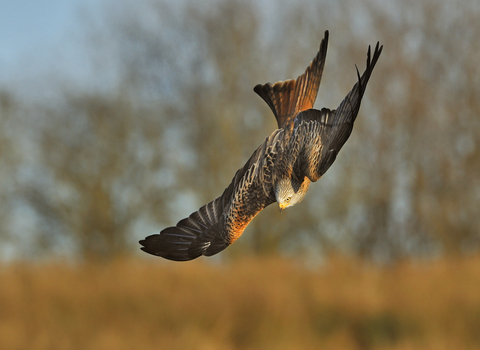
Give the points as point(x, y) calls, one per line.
point(248, 304)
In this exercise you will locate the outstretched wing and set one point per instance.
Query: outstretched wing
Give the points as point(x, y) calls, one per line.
point(290, 97)
point(219, 223)
point(319, 135)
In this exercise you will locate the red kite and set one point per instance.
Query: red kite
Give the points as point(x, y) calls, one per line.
point(280, 170)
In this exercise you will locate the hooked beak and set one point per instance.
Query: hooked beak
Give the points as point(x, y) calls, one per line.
point(281, 207)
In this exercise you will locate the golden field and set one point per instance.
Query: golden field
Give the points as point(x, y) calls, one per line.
point(268, 303)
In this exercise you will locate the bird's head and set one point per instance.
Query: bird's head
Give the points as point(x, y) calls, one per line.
point(289, 192)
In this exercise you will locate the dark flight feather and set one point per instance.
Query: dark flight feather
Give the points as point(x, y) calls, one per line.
point(321, 134)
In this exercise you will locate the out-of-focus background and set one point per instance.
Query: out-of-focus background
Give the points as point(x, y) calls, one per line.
point(120, 118)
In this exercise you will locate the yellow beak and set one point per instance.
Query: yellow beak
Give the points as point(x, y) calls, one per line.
point(281, 207)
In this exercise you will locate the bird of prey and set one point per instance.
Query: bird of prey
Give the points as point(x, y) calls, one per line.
point(280, 170)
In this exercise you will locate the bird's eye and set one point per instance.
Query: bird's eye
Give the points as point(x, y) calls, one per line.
point(288, 199)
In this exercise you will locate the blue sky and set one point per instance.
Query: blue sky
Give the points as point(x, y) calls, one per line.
point(26, 25)
point(30, 30)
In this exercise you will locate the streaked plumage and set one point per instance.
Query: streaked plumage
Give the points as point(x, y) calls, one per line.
point(281, 169)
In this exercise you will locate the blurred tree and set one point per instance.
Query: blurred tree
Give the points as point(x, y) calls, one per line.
point(180, 118)
point(99, 152)
point(9, 160)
